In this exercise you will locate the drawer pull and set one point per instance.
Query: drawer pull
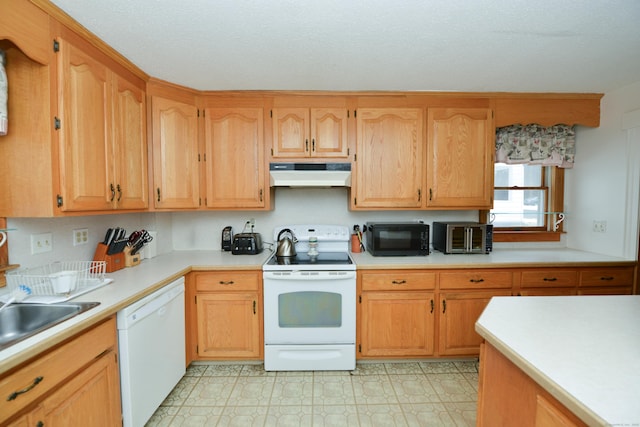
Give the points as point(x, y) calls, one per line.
point(398, 282)
point(476, 280)
point(607, 278)
point(549, 279)
point(15, 394)
point(228, 282)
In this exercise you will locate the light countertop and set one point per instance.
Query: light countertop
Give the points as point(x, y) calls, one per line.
point(131, 284)
point(584, 350)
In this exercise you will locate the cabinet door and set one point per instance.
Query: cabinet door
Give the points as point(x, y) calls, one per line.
point(460, 157)
point(84, 109)
point(329, 132)
point(397, 324)
point(234, 157)
point(458, 315)
point(389, 163)
point(228, 326)
point(130, 146)
point(176, 170)
point(291, 132)
point(91, 398)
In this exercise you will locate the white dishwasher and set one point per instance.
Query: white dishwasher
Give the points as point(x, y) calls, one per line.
point(152, 351)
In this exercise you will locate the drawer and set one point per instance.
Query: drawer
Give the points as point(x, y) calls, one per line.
point(607, 277)
point(226, 281)
point(476, 279)
point(549, 278)
point(26, 385)
point(399, 280)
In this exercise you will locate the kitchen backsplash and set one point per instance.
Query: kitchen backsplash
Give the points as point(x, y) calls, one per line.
point(202, 230)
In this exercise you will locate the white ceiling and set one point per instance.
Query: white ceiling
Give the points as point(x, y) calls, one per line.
point(353, 45)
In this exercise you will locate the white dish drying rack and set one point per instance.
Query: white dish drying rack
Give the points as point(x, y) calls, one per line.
point(45, 283)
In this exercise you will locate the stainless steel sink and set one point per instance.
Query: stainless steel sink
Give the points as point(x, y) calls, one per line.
point(20, 321)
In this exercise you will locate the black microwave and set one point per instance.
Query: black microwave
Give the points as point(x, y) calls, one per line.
point(462, 237)
point(397, 238)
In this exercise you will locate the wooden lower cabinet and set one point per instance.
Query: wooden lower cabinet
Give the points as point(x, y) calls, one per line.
point(458, 313)
point(396, 313)
point(397, 324)
point(227, 311)
point(74, 384)
point(508, 397)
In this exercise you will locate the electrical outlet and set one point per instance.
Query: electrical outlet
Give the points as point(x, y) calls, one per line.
point(252, 222)
point(600, 226)
point(41, 243)
point(80, 236)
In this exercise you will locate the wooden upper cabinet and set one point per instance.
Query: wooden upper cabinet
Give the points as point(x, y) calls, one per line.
point(175, 154)
point(102, 135)
point(85, 131)
point(315, 132)
point(548, 109)
point(234, 162)
point(389, 158)
point(460, 158)
point(130, 146)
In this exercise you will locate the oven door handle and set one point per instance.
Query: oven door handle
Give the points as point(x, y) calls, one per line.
point(308, 275)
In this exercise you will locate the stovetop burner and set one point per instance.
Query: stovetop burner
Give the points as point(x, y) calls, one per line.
point(323, 258)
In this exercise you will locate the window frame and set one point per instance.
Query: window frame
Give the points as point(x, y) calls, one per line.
point(555, 203)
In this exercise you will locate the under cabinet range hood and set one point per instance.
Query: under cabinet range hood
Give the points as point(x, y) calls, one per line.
point(310, 174)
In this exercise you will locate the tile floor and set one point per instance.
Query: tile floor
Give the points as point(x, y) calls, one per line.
point(375, 394)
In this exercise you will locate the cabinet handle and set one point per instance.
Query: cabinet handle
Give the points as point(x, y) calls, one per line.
point(430, 194)
point(113, 192)
point(549, 279)
point(158, 194)
point(313, 144)
point(444, 306)
point(607, 278)
point(261, 194)
point(398, 282)
point(15, 394)
point(254, 307)
point(119, 192)
point(39, 424)
point(432, 306)
point(476, 280)
point(419, 195)
point(228, 282)
point(306, 145)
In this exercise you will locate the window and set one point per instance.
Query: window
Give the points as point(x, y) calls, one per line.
point(527, 199)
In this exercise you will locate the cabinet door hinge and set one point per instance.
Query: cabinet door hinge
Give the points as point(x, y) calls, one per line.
point(360, 299)
point(56, 123)
point(355, 200)
point(56, 46)
point(195, 299)
point(59, 200)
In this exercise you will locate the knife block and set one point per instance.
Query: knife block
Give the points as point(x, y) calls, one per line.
point(131, 260)
point(115, 262)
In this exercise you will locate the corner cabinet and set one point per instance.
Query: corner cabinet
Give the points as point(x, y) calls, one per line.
point(460, 158)
point(310, 132)
point(228, 314)
point(101, 125)
point(234, 158)
point(176, 165)
point(389, 158)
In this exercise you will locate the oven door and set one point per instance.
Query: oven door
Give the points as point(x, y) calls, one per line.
point(309, 307)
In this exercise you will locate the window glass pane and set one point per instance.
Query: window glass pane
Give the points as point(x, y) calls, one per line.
point(517, 175)
point(520, 208)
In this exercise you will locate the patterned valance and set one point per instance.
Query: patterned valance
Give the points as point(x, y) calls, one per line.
point(536, 145)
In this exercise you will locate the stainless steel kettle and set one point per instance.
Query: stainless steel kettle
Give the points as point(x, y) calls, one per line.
point(286, 244)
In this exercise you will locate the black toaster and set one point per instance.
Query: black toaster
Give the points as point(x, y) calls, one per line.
point(246, 244)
